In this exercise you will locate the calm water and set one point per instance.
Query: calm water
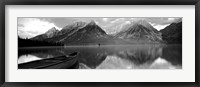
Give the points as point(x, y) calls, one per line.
point(111, 57)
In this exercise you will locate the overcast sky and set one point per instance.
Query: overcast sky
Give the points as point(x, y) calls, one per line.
point(30, 27)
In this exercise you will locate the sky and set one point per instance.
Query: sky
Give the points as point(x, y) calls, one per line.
point(30, 27)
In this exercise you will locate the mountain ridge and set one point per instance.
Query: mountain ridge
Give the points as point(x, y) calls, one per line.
point(48, 34)
point(91, 33)
point(140, 30)
point(172, 33)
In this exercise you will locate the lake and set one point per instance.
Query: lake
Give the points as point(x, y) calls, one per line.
point(110, 57)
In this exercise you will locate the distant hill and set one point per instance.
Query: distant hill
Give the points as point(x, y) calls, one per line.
point(172, 34)
point(36, 43)
point(49, 34)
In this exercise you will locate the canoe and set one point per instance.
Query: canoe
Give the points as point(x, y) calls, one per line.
point(61, 62)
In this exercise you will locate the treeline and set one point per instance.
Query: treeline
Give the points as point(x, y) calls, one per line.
point(34, 43)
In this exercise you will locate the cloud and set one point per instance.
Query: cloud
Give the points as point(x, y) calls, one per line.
point(137, 19)
point(117, 20)
point(105, 19)
point(34, 26)
point(128, 22)
point(171, 19)
point(164, 20)
point(159, 27)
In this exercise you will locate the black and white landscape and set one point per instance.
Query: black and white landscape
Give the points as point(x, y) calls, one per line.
point(100, 43)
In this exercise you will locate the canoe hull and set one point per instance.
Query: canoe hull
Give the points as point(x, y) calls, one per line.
point(63, 65)
point(61, 62)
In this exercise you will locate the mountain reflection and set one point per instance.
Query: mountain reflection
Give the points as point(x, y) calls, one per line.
point(115, 57)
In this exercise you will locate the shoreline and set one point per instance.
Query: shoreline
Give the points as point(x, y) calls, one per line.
point(101, 45)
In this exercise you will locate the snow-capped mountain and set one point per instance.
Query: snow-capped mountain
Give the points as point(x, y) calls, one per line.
point(140, 30)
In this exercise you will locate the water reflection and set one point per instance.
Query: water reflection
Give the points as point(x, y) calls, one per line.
point(114, 57)
point(27, 58)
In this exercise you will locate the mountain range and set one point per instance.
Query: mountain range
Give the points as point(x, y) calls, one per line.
point(82, 33)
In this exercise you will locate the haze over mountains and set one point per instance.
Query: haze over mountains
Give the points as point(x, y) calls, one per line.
point(82, 33)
